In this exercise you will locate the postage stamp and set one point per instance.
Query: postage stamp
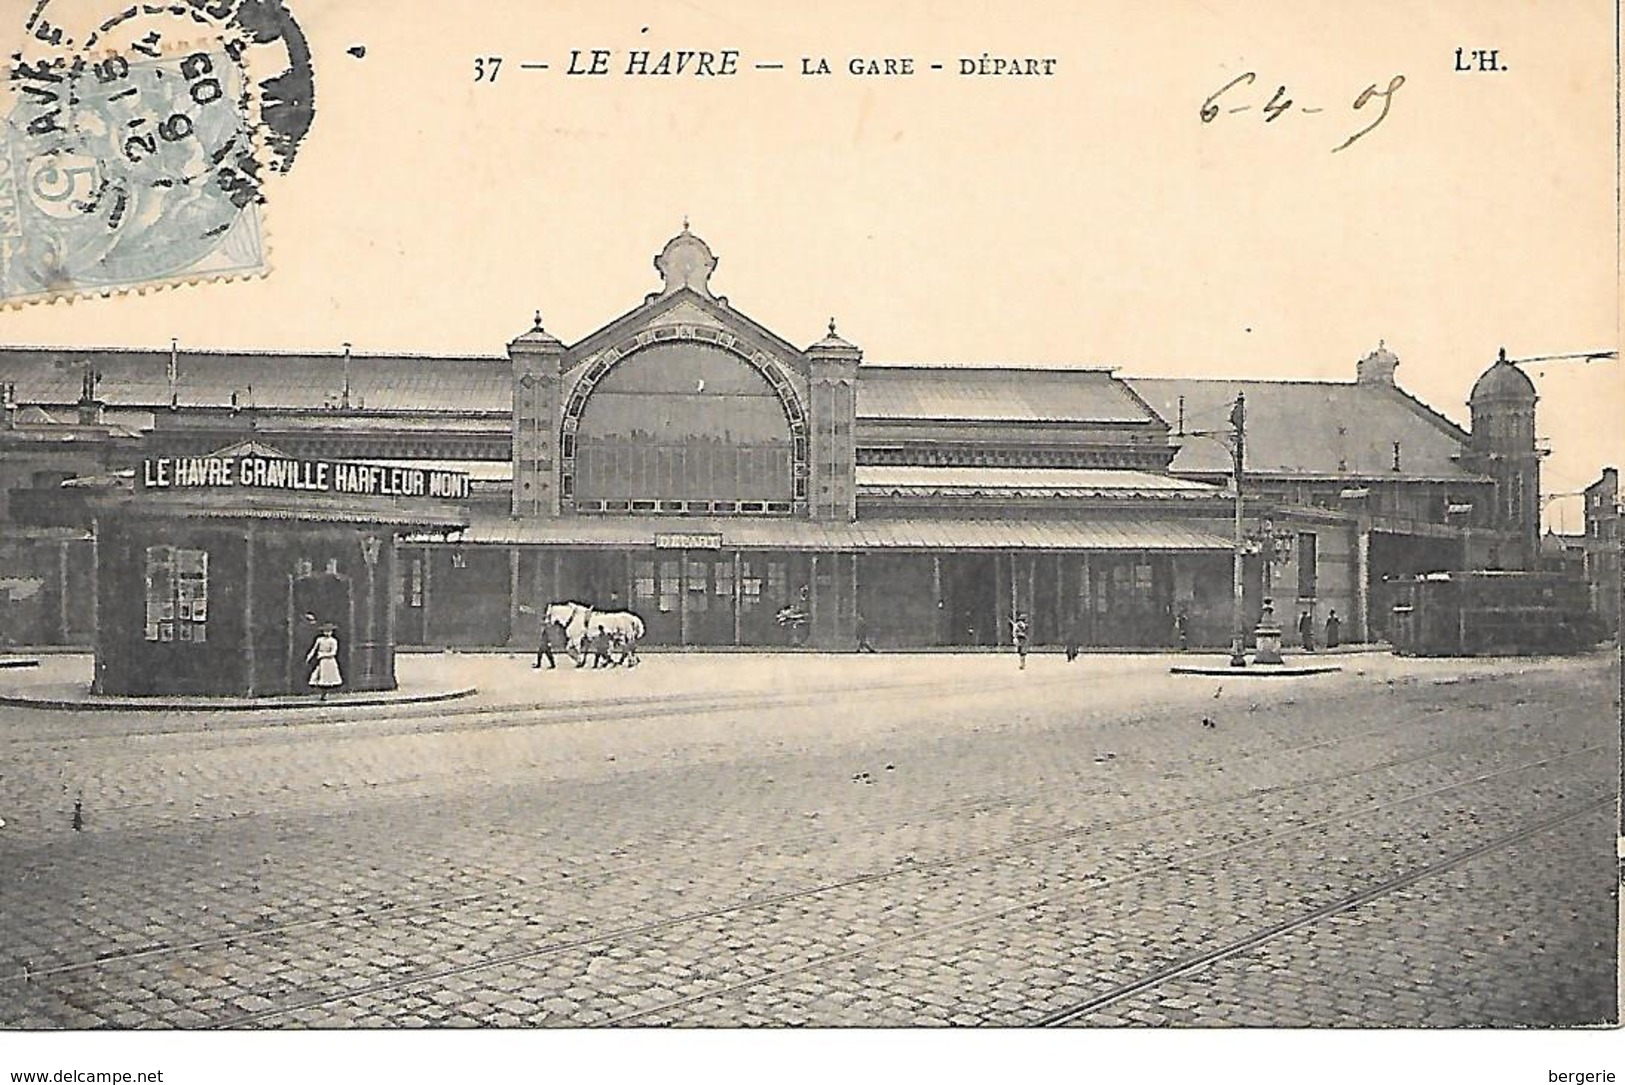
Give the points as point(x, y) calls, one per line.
point(135, 140)
point(117, 173)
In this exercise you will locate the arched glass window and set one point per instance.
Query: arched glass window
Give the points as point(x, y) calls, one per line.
point(683, 424)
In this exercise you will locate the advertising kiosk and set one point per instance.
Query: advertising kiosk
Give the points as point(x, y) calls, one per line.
point(216, 574)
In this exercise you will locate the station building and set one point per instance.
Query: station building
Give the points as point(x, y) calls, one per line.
point(688, 463)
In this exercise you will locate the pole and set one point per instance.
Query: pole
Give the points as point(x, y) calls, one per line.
point(1238, 634)
point(346, 400)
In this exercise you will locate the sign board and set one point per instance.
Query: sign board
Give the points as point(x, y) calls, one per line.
point(697, 540)
point(252, 472)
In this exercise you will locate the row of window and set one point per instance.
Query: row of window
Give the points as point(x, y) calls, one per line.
point(661, 584)
point(613, 470)
point(176, 583)
point(688, 508)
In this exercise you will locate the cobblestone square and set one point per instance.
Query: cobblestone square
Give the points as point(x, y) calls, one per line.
point(887, 841)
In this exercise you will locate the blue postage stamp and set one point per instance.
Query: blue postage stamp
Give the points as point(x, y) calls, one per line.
point(121, 172)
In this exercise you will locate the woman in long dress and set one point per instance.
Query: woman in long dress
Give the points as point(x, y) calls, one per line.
point(325, 654)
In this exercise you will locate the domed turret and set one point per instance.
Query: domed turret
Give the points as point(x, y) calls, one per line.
point(1378, 366)
point(686, 261)
point(1503, 447)
point(1503, 380)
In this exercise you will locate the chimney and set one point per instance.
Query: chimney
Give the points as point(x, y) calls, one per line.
point(1377, 367)
point(345, 403)
point(90, 404)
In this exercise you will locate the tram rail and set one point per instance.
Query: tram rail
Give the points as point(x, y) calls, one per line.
point(611, 937)
point(1235, 948)
point(1098, 887)
point(391, 910)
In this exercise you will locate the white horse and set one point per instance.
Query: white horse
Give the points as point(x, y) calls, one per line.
point(584, 629)
point(570, 619)
point(619, 628)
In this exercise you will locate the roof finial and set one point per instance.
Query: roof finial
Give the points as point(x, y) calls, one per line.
point(685, 224)
point(1382, 344)
point(832, 325)
point(538, 325)
point(1503, 355)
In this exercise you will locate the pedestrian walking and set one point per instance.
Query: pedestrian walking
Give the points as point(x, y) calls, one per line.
point(1306, 630)
point(864, 644)
point(1019, 633)
point(1334, 630)
point(324, 653)
point(544, 646)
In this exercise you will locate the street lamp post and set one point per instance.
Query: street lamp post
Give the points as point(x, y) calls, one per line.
point(1238, 617)
point(1236, 439)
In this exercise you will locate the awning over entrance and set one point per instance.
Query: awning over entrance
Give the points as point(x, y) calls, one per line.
point(912, 533)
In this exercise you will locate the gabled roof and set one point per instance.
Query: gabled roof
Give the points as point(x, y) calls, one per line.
point(288, 381)
point(63, 424)
point(658, 305)
point(251, 448)
point(1323, 429)
point(986, 394)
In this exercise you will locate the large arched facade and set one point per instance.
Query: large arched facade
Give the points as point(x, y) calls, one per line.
point(686, 424)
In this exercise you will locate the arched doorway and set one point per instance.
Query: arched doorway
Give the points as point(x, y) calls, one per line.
point(316, 598)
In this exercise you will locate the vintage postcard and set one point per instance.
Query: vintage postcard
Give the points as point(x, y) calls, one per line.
point(920, 521)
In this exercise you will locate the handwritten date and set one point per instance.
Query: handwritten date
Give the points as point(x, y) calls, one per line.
point(1228, 99)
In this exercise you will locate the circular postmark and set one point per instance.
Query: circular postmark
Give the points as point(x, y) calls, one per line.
point(262, 35)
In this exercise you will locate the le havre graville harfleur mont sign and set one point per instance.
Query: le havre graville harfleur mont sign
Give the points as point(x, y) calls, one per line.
point(309, 476)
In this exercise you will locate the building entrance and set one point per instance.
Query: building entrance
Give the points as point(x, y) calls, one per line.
point(970, 599)
point(685, 596)
point(1129, 600)
point(708, 593)
point(316, 599)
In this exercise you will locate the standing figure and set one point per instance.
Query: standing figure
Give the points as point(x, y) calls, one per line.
point(1019, 632)
point(795, 616)
point(1182, 631)
point(1071, 639)
point(599, 642)
point(1306, 630)
point(544, 647)
point(864, 644)
point(325, 654)
point(804, 610)
point(1334, 630)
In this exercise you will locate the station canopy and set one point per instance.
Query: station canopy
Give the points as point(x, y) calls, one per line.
point(1126, 533)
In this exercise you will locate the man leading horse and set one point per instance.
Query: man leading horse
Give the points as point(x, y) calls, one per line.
point(581, 630)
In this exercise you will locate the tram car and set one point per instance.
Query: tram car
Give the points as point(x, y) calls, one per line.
point(1493, 613)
